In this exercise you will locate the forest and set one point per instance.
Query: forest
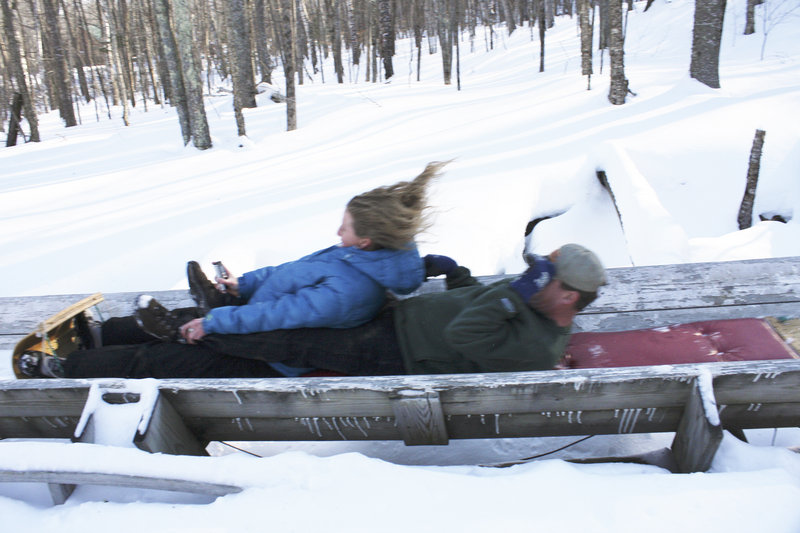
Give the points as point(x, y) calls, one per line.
point(131, 53)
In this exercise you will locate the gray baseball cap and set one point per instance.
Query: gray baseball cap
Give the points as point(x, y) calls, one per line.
point(579, 268)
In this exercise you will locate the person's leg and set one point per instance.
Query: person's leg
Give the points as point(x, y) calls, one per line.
point(161, 360)
point(369, 349)
point(123, 330)
point(126, 329)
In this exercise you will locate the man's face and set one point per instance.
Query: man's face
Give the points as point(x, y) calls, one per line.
point(553, 298)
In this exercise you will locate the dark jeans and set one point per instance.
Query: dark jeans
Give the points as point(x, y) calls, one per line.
point(370, 349)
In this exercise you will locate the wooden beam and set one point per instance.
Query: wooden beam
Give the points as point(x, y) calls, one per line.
point(59, 491)
point(71, 478)
point(700, 432)
point(165, 432)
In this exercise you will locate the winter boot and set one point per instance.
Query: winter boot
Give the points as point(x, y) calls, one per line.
point(205, 294)
point(157, 320)
point(41, 365)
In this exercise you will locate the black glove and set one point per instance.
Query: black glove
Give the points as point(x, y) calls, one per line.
point(436, 265)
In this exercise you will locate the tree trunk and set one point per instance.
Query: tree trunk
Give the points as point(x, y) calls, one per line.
point(335, 37)
point(708, 18)
point(386, 24)
point(443, 26)
point(76, 55)
point(169, 50)
point(541, 20)
point(746, 208)
point(18, 71)
point(456, 37)
point(750, 18)
point(201, 137)
point(353, 36)
point(265, 65)
point(419, 30)
point(604, 27)
point(587, 36)
point(122, 43)
point(509, 16)
point(61, 77)
point(616, 53)
point(244, 87)
point(14, 121)
point(286, 24)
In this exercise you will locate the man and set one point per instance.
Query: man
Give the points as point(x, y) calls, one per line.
point(508, 326)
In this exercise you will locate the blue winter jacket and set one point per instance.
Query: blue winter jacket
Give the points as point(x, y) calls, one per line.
point(338, 287)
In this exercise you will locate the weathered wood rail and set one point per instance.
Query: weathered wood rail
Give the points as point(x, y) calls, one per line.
point(635, 297)
point(696, 401)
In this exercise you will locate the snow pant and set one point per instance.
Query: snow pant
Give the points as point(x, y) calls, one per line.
point(129, 352)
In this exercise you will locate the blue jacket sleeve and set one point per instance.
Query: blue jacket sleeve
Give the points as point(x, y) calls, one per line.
point(312, 300)
point(249, 281)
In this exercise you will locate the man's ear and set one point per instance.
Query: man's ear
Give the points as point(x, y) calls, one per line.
point(364, 243)
point(570, 297)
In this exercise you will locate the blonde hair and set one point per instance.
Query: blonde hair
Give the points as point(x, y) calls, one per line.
point(391, 216)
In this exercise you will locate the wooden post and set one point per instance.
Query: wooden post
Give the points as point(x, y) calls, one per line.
point(699, 432)
point(167, 433)
point(419, 417)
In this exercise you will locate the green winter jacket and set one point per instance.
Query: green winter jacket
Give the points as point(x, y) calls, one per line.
point(477, 328)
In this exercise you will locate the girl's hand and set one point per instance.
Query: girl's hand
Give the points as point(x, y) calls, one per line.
point(193, 331)
point(229, 284)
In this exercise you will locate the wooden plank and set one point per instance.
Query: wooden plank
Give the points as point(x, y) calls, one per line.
point(636, 297)
point(646, 319)
point(568, 402)
point(641, 399)
point(699, 432)
point(20, 315)
point(419, 417)
point(69, 477)
point(52, 411)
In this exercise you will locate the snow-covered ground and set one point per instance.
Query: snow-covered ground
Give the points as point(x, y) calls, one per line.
point(103, 207)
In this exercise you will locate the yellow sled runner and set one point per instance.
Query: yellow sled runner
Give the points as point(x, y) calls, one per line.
point(58, 335)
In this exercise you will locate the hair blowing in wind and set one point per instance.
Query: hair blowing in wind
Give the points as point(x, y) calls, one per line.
point(392, 216)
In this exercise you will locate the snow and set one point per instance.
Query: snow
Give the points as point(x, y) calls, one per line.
point(102, 207)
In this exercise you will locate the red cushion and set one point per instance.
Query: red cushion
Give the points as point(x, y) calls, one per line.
point(742, 339)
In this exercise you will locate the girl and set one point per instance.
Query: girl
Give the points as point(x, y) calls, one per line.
point(339, 287)
point(342, 286)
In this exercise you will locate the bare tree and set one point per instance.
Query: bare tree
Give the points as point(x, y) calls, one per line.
point(386, 24)
point(746, 208)
point(265, 65)
point(184, 37)
point(774, 13)
point(18, 71)
point(61, 79)
point(616, 53)
point(171, 57)
point(587, 35)
point(335, 36)
point(541, 20)
point(706, 40)
point(287, 26)
point(244, 86)
point(446, 28)
point(750, 16)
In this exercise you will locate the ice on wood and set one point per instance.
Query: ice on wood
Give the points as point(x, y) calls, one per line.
point(705, 384)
